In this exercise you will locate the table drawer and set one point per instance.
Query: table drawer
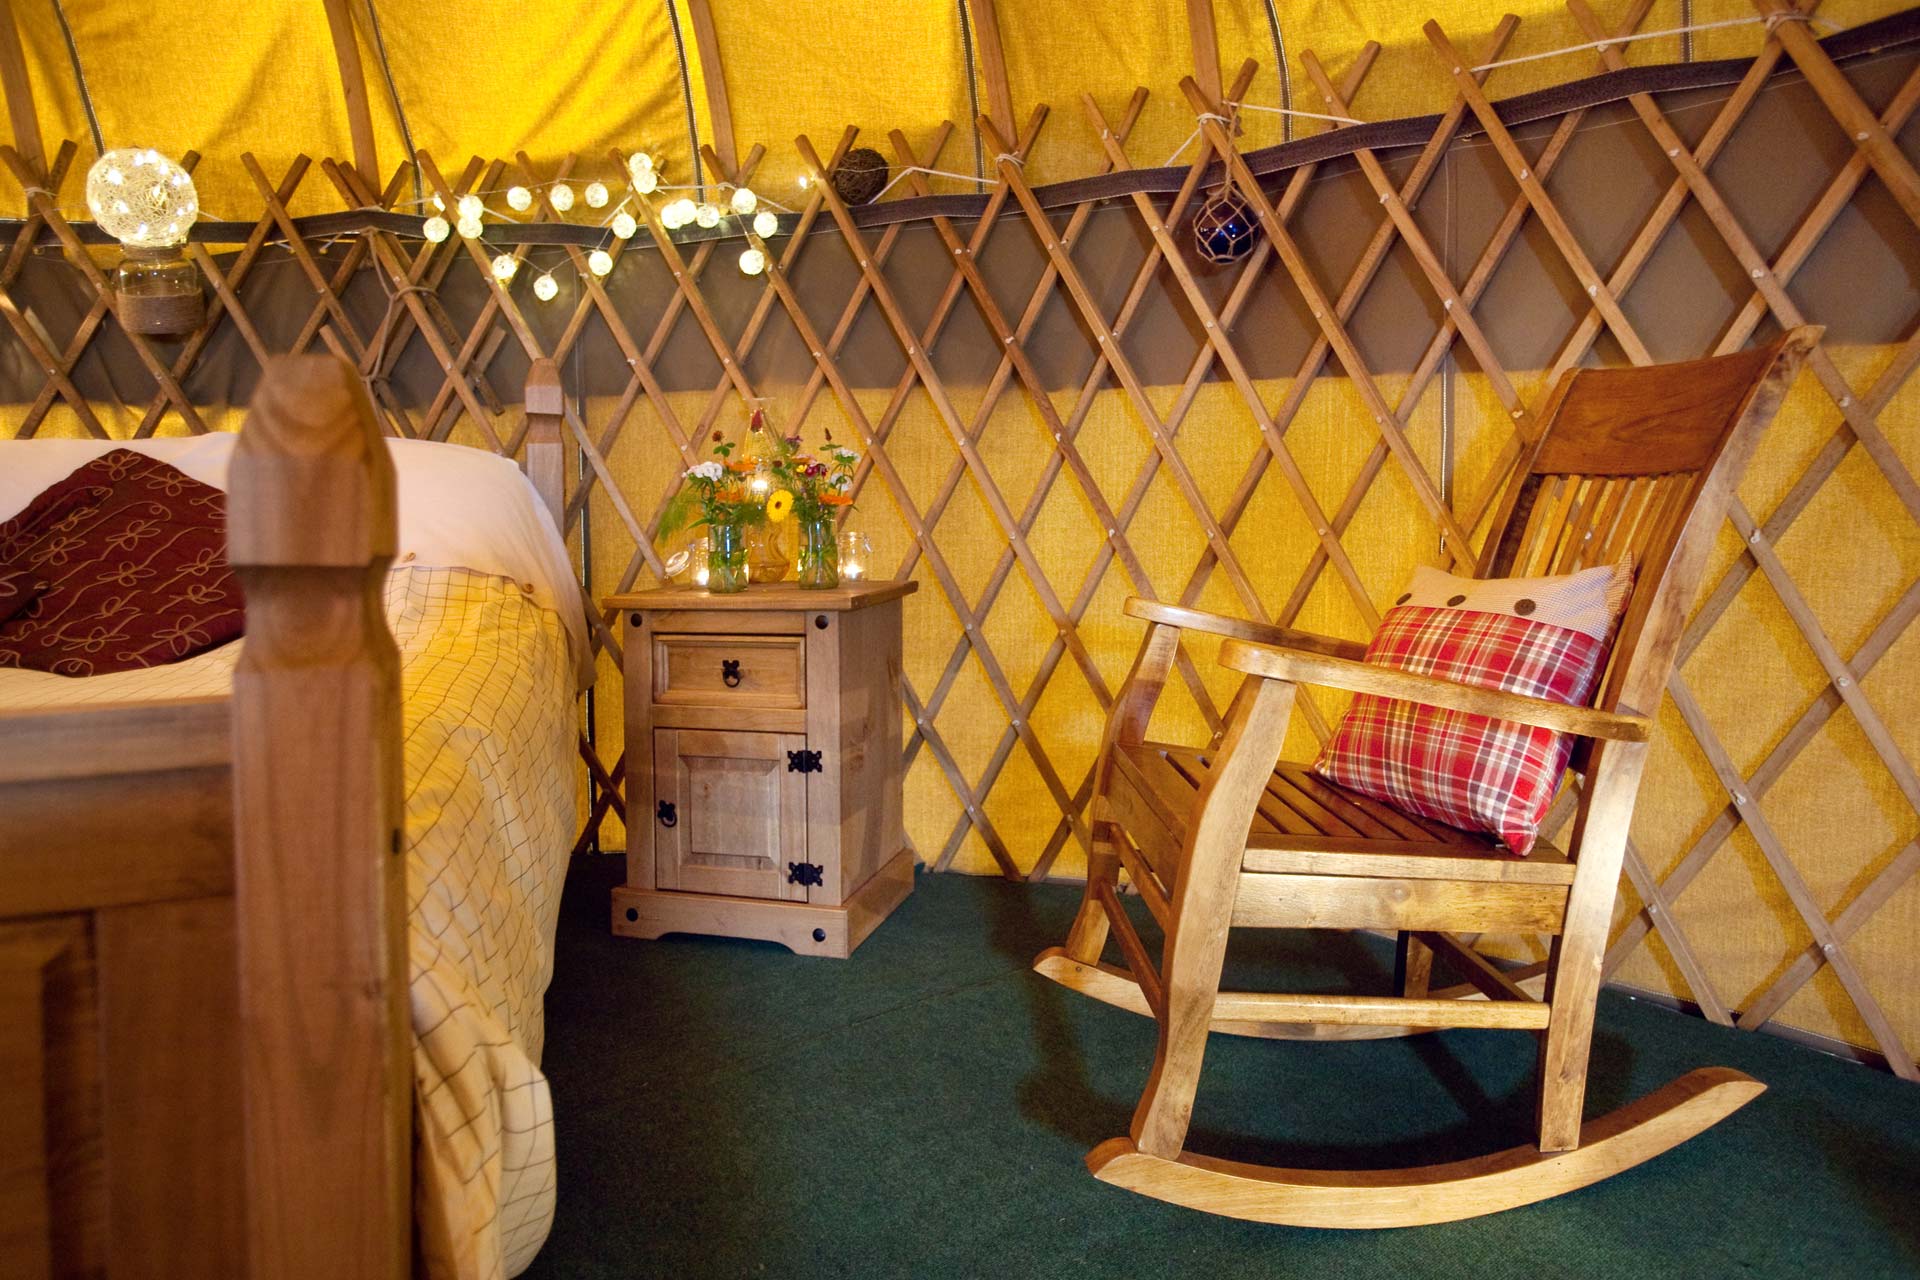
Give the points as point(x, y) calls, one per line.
point(698, 670)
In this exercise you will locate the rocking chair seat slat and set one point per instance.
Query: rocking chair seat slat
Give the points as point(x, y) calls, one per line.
point(1306, 825)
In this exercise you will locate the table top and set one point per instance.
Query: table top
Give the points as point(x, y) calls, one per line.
point(844, 598)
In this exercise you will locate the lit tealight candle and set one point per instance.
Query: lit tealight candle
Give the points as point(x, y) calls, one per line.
point(856, 555)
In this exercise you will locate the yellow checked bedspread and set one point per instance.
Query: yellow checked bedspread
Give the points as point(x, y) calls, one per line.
point(490, 733)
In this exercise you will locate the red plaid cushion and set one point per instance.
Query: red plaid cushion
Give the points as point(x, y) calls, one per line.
point(1472, 771)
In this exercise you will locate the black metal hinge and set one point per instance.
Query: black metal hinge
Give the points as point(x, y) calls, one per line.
point(804, 873)
point(803, 762)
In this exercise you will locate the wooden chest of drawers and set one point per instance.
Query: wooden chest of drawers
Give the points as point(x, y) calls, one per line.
point(763, 764)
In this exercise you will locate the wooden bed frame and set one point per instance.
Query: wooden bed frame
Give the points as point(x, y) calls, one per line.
point(205, 1057)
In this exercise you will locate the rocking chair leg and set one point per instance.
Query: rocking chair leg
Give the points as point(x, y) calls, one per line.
point(1412, 966)
point(1204, 890)
point(1088, 936)
point(1578, 954)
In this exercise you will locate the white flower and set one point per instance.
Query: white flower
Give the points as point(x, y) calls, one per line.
point(713, 472)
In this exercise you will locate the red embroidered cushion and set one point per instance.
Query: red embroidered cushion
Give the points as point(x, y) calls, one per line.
point(18, 589)
point(1542, 637)
point(134, 556)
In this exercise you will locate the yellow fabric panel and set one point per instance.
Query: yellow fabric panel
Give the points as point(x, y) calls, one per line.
point(494, 77)
point(903, 68)
point(268, 83)
point(56, 97)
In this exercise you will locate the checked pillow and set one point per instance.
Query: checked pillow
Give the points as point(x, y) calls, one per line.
point(130, 555)
point(1541, 637)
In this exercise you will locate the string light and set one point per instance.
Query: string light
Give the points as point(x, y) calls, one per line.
point(744, 201)
point(504, 265)
point(561, 197)
point(435, 229)
point(545, 288)
point(600, 262)
point(646, 183)
point(470, 207)
point(624, 226)
point(707, 215)
point(766, 223)
point(520, 199)
point(679, 213)
point(596, 195)
point(469, 227)
point(806, 180)
point(141, 198)
point(638, 163)
point(752, 262)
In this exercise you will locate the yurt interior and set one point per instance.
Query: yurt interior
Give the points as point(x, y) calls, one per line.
point(959, 638)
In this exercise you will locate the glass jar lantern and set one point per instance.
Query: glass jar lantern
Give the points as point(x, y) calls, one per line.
point(856, 555)
point(159, 292)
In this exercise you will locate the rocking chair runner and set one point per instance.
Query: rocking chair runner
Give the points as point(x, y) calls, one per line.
point(1640, 460)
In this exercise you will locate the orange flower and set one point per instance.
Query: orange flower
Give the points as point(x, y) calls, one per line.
point(743, 465)
point(837, 499)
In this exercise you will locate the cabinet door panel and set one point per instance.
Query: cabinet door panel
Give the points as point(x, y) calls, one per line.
point(739, 814)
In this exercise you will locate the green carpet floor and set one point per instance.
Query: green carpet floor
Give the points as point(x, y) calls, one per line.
point(729, 1109)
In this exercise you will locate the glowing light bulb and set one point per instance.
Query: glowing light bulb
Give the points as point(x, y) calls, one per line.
point(471, 207)
point(504, 266)
point(596, 195)
point(520, 198)
point(624, 226)
point(744, 201)
point(600, 262)
point(546, 288)
point(561, 197)
point(806, 180)
point(470, 228)
point(646, 183)
point(759, 484)
point(752, 262)
point(638, 163)
point(766, 223)
point(439, 205)
point(435, 229)
point(707, 215)
point(678, 214)
point(154, 210)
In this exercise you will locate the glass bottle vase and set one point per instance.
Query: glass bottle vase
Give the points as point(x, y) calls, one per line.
point(819, 553)
point(726, 558)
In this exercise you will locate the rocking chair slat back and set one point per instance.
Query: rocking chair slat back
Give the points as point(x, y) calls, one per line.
point(1638, 461)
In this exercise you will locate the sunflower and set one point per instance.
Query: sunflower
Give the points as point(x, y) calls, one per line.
point(779, 505)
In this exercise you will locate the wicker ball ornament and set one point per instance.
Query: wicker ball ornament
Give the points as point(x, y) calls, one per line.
point(860, 176)
point(1224, 227)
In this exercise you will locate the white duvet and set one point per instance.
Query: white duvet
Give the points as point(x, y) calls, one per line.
point(487, 676)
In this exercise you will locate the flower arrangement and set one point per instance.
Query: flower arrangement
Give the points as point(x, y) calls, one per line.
point(730, 493)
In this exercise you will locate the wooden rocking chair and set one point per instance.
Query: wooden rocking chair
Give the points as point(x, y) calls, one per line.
point(1642, 460)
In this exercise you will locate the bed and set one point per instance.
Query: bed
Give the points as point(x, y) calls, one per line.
point(166, 1074)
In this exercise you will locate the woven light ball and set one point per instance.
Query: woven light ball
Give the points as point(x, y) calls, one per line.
point(1224, 227)
point(141, 198)
point(860, 176)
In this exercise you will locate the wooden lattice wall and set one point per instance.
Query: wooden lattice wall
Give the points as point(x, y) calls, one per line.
point(1031, 501)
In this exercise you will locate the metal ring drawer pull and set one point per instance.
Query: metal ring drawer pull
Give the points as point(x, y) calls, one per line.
point(730, 672)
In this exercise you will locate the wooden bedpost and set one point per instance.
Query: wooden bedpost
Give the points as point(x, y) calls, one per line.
point(546, 460)
point(320, 874)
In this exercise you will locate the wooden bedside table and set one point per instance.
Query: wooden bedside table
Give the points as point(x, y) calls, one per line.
point(763, 764)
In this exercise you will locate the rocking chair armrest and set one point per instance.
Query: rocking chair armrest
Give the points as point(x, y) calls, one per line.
point(1265, 633)
point(1302, 667)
